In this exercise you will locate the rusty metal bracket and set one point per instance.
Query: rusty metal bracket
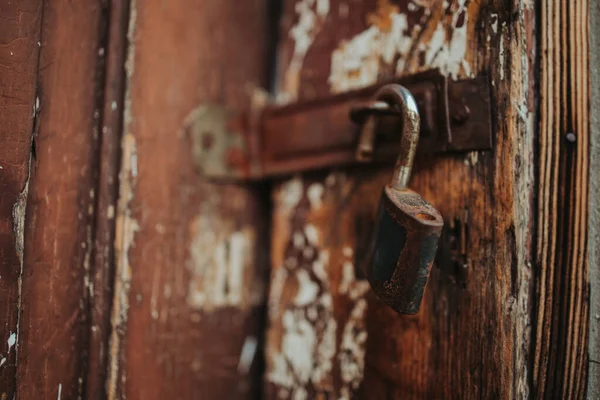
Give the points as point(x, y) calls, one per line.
point(274, 140)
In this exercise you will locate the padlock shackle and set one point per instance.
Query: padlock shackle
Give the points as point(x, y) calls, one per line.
point(400, 97)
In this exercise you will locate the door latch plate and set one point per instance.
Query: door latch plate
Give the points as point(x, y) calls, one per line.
point(279, 140)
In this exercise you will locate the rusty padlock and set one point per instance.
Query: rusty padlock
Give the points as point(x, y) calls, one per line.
point(407, 227)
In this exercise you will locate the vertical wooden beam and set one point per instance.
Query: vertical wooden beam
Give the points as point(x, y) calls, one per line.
point(594, 210)
point(60, 207)
point(19, 50)
point(113, 53)
point(191, 268)
point(561, 337)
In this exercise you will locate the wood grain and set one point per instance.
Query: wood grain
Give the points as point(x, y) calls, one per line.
point(19, 50)
point(112, 54)
point(191, 266)
point(472, 336)
point(60, 207)
point(561, 339)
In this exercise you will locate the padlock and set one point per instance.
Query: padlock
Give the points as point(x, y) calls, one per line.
point(407, 228)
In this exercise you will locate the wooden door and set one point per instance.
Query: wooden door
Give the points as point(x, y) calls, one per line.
point(505, 311)
point(127, 274)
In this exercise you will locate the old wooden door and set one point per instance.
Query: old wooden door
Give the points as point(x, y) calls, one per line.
point(125, 273)
point(505, 312)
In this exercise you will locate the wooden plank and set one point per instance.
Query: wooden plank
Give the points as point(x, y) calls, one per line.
point(328, 334)
point(593, 386)
point(561, 335)
point(60, 207)
point(19, 50)
point(191, 267)
point(113, 53)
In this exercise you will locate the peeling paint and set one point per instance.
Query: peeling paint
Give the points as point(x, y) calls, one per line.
point(501, 51)
point(221, 261)
point(310, 348)
point(352, 350)
point(523, 175)
point(247, 355)
point(18, 215)
point(12, 340)
point(126, 226)
point(471, 159)
point(308, 344)
point(311, 15)
point(447, 51)
point(315, 195)
point(358, 61)
point(390, 38)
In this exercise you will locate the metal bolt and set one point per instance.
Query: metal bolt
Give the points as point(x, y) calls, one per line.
point(570, 137)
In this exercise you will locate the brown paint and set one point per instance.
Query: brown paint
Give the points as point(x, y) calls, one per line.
point(165, 345)
point(53, 331)
point(19, 34)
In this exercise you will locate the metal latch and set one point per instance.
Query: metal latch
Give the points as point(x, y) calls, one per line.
point(277, 140)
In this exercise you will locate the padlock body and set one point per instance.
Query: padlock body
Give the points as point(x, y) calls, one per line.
point(402, 249)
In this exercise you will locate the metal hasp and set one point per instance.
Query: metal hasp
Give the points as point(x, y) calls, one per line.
point(273, 140)
point(407, 228)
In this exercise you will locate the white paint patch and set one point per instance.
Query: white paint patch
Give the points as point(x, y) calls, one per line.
point(319, 264)
point(312, 234)
point(247, 355)
point(501, 51)
point(307, 289)
point(110, 212)
point(315, 195)
point(219, 261)
point(352, 350)
point(494, 18)
point(308, 342)
point(347, 277)
point(12, 339)
point(447, 51)
point(2, 361)
point(358, 62)
point(311, 15)
point(471, 159)
point(298, 240)
point(290, 194)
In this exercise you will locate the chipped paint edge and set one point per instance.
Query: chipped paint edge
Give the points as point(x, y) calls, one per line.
point(126, 226)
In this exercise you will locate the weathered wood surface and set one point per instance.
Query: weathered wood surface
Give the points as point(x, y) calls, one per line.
point(112, 54)
point(19, 36)
point(60, 205)
point(328, 334)
point(562, 312)
point(191, 269)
